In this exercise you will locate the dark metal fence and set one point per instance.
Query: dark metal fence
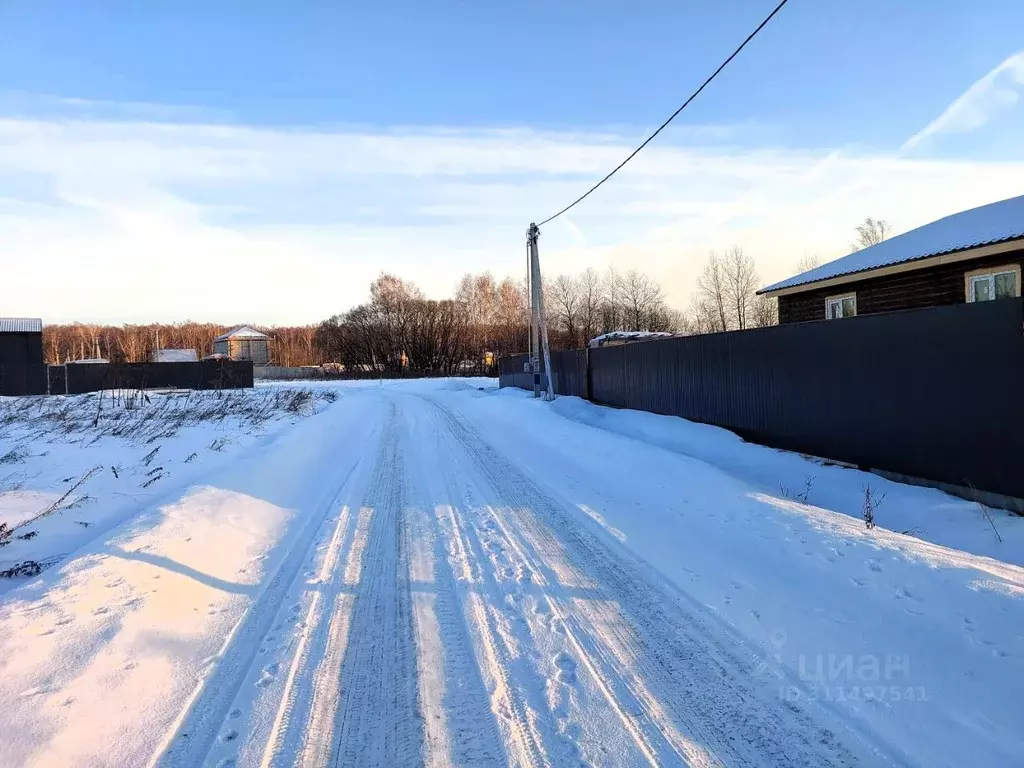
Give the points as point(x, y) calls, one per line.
point(75, 379)
point(511, 372)
point(22, 379)
point(568, 370)
point(932, 393)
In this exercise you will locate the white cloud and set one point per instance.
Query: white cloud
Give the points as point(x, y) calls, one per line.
point(993, 94)
point(127, 221)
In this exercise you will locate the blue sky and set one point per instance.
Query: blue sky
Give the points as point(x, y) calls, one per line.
point(423, 137)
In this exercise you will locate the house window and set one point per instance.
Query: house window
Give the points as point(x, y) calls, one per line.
point(837, 307)
point(996, 283)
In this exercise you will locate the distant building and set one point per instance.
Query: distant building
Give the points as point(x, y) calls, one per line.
point(21, 341)
point(173, 356)
point(244, 343)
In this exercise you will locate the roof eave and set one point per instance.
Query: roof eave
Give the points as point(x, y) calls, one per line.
point(921, 262)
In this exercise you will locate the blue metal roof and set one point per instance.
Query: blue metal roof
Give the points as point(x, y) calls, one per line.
point(992, 223)
point(21, 325)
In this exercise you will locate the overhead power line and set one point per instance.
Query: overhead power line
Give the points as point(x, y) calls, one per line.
point(672, 117)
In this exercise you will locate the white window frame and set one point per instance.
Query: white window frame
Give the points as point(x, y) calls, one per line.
point(830, 300)
point(990, 274)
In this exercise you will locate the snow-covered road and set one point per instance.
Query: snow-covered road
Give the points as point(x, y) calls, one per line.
point(437, 574)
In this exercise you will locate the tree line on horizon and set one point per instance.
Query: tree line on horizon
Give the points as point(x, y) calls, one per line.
point(398, 329)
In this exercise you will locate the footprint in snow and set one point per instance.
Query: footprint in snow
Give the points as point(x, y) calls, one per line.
point(566, 667)
point(264, 680)
point(235, 713)
point(905, 593)
point(229, 736)
point(875, 566)
point(268, 675)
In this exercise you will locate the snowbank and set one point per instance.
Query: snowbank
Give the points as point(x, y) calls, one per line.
point(73, 467)
point(132, 623)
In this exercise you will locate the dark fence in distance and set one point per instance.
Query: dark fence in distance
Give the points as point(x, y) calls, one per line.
point(76, 379)
point(568, 371)
point(932, 393)
point(512, 374)
point(278, 373)
point(22, 379)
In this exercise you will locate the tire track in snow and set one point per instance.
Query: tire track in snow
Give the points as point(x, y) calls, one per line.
point(650, 741)
point(480, 632)
point(194, 734)
point(690, 682)
point(483, 534)
point(379, 722)
point(520, 711)
point(460, 727)
point(299, 723)
point(318, 743)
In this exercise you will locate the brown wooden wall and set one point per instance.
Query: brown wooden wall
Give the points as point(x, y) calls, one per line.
point(931, 287)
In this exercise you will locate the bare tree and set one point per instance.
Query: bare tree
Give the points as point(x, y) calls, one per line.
point(808, 262)
point(592, 293)
point(740, 283)
point(638, 298)
point(711, 301)
point(764, 312)
point(871, 232)
point(512, 321)
point(564, 301)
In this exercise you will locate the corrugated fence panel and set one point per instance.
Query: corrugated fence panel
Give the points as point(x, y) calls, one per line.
point(934, 393)
point(511, 374)
point(568, 371)
point(204, 374)
point(22, 379)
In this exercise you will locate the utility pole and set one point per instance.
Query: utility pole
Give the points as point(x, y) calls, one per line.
point(539, 326)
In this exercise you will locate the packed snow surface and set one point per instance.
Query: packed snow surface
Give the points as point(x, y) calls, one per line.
point(442, 573)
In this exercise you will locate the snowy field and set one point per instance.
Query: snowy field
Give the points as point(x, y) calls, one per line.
point(441, 573)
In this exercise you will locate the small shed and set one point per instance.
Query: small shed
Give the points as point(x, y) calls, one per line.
point(173, 356)
point(21, 341)
point(244, 343)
